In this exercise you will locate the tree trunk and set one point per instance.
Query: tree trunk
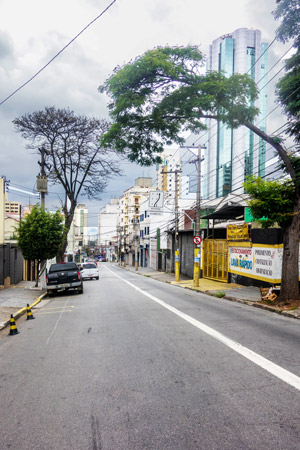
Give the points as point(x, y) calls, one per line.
point(290, 266)
point(68, 221)
point(61, 253)
point(37, 274)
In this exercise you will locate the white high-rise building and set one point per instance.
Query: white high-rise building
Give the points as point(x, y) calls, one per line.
point(78, 235)
point(181, 160)
point(107, 223)
point(231, 155)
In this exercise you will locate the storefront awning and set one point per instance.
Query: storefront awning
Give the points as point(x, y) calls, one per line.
point(228, 212)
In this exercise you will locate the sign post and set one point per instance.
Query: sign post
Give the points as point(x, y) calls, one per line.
point(197, 241)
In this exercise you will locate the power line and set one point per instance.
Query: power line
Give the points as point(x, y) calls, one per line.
point(57, 54)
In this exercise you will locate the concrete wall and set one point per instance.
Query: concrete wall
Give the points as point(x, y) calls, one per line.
point(11, 265)
point(187, 254)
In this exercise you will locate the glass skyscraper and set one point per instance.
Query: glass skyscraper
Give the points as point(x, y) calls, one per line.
point(231, 155)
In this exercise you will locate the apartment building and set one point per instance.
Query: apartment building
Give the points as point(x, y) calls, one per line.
point(107, 228)
point(78, 237)
point(14, 208)
point(2, 209)
point(128, 217)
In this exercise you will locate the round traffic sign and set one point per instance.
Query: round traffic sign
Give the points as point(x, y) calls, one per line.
point(197, 240)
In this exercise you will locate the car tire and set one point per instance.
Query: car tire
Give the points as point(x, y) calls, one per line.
point(81, 289)
point(51, 292)
point(97, 278)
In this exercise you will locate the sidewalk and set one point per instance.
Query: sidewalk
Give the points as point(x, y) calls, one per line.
point(14, 300)
point(249, 295)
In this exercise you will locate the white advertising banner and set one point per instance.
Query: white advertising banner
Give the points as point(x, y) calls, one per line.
point(261, 262)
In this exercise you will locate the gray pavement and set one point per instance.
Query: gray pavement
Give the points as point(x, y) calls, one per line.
point(244, 294)
point(114, 369)
point(14, 299)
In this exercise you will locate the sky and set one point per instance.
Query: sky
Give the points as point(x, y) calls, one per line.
point(33, 32)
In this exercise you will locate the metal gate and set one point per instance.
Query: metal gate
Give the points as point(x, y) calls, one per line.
point(215, 259)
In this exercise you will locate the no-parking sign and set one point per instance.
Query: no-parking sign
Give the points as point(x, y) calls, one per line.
point(197, 240)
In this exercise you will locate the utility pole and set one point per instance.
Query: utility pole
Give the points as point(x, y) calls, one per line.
point(119, 244)
point(124, 242)
point(197, 225)
point(135, 241)
point(177, 256)
point(197, 255)
point(42, 178)
point(43, 174)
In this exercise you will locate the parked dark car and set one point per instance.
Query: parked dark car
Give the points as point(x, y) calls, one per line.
point(64, 276)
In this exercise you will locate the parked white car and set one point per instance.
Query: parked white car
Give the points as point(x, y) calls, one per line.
point(89, 271)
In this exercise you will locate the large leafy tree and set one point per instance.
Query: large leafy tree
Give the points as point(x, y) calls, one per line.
point(162, 93)
point(280, 202)
point(73, 155)
point(272, 203)
point(288, 95)
point(40, 235)
point(288, 88)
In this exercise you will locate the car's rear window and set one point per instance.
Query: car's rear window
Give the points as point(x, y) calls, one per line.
point(66, 266)
point(89, 266)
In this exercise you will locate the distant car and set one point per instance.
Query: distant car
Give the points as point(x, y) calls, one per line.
point(89, 271)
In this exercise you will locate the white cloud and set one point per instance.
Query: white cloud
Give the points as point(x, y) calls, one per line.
point(31, 36)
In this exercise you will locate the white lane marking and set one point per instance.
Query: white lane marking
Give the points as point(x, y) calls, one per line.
point(266, 364)
point(60, 316)
point(40, 313)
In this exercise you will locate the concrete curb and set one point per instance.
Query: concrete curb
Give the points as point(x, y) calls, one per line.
point(23, 311)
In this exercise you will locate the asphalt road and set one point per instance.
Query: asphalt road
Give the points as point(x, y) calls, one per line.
point(134, 363)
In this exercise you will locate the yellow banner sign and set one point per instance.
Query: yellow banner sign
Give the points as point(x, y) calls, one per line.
point(237, 232)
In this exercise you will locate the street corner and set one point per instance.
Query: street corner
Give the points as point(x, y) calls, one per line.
point(5, 313)
point(17, 311)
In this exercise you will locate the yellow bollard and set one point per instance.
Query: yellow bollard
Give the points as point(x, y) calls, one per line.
point(177, 269)
point(196, 267)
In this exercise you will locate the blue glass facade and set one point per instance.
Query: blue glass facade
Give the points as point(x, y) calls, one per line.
point(232, 155)
point(263, 108)
point(224, 143)
point(248, 163)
